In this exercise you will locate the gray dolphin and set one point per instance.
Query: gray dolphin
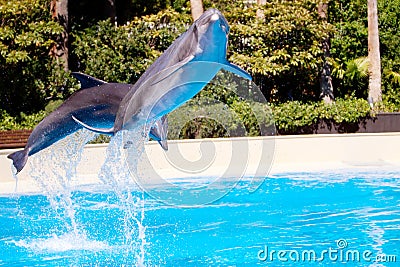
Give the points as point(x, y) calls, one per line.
point(97, 102)
point(177, 75)
point(158, 132)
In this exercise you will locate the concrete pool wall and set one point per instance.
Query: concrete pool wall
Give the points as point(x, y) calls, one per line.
point(291, 153)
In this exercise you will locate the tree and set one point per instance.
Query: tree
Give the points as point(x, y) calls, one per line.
point(196, 6)
point(326, 77)
point(29, 76)
point(283, 51)
point(119, 56)
point(59, 12)
point(375, 80)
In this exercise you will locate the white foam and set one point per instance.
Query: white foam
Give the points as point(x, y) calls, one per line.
point(62, 243)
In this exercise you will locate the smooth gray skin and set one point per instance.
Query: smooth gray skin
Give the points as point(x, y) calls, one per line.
point(158, 132)
point(98, 106)
point(205, 40)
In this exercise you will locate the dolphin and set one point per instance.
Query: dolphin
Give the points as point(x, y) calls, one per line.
point(97, 102)
point(185, 68)
point(158, 132)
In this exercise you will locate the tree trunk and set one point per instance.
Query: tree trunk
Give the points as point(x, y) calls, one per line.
point(374, 70)
point(196, 7)
point(260, 13)
point(59, 11)
point(111, 11)
point(326, 76)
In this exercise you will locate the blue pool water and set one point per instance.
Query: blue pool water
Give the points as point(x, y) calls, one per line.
point(338, 215)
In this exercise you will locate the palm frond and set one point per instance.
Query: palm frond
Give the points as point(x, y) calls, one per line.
point(357, 68)
point(394, 76)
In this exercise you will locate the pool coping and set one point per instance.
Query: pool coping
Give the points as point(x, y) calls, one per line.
point(292, 153)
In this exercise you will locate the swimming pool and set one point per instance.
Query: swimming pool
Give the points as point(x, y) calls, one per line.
point(293, 219)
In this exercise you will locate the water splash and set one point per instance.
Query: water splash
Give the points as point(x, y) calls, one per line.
point(62, 243)
point(120, 180)
point(54, 170)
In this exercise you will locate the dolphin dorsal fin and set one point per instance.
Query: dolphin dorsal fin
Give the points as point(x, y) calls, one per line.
point(87, 81)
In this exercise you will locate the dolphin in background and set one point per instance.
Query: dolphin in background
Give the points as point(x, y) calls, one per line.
point(97, 102)
point(158, 132)
point(191, 61)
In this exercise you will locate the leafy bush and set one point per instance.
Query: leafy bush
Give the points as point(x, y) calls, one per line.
point(30, 77)
point(282, 49)
point(291, 116)
point(198, 119)
point(123, 53)
point(21, 121)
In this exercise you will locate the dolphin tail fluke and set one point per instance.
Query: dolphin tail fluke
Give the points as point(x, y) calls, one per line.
point(109, 131)
point(19, 159)
point(236, 70)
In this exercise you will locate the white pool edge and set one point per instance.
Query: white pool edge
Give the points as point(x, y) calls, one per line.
point(299, 153)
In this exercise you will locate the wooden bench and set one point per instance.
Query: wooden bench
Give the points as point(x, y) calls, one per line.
point(14, 139)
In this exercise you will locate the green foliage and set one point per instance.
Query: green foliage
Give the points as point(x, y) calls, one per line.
point(214, 119)
point(123, 53)
point(197, 120)
point(356, 77)
point(21, 121)
point(291, 116)
point(7, 122)
point(389, 35)
point(227, 106)
point(203, 128)
point(288, 117)
point(394, 77)
point(350, 42)
point(200, 119)
point(137, 8)
point(282, 50)
point(112, 53)
point(30, 77)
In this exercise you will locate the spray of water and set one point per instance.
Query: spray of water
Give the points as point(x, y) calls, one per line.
point(54, 169)
point(115, 174)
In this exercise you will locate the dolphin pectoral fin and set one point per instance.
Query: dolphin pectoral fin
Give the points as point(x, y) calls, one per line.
point(109, 131)
point(87, 81)
point(159, 132)
point(19, 159)
point(236, 70)
point(163, 144)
